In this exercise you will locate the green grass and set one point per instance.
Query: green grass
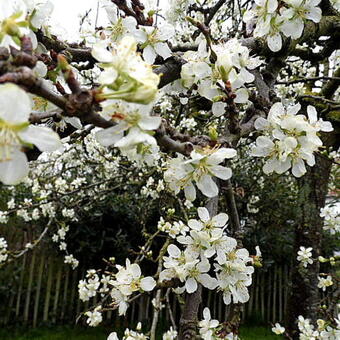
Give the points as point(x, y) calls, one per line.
point(68, 333)
point(56, 333)
point(257, 333)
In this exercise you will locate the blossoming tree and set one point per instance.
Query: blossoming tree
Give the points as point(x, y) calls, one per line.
point(173, 94)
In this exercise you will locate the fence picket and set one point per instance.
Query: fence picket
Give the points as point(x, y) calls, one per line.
point(37, 295)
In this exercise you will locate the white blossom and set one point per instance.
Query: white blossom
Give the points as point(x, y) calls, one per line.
point(15, 130)
point(305, 256)
point(325, 282)
point(278, 329)
point(200, 169)
point(126, 76)
point(291, 139)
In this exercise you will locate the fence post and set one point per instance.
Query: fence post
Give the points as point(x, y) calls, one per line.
point(37, 295)
point(29, 288)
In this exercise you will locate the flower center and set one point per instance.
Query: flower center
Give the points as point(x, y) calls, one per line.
point(9, 140)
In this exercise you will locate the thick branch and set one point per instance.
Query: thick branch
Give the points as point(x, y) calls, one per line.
point(170, 71)
point(332, 85)
point(75, 54)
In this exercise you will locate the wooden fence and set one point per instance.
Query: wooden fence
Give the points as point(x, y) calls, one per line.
point(40, 289)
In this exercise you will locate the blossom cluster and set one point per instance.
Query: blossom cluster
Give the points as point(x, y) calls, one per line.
point(305, 256)
point(307, 331)
point(232, 65)
point(171, 334)
point(95, 317)
point(200, 168)
point(152, 40)
point(288, 18)
point(324, 331)
point(66, 186)
point(290, 139)
point(132, 133)
point(331, 217)
point(22, 17)
point(204, 241)
point(120, 286)
point(210, 329)
point(126, 75)
point(3, 250)
point(325, 282)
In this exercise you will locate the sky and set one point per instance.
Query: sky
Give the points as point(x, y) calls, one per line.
point(66, 15)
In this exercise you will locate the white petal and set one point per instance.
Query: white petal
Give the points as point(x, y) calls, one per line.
point(195, 225)
point(135, 270)
point(113, 336)
point(221, 172)
point(299, 168)
point(268, 167)
point(314, 14)
point(220, 220)
point(312, 114)
point(190, 285)
point(206, 313)
point(41, 14)
point(203, 266)
point(275, 42)
point(208, 281)
point(14, 170)
point(293, 110)
point(110, 136)
point(241, 96)
point(149, 122)
point(203, 214)
point(221, 154)
point(174, 251)
point(218, 109)
point(165, 32)
point(261, 123)
point(293, 28)
point(163, 50)
point(74, 121)
point(44, 138)
point(15, 104)
point(148, 283)
point(326, 127)
point(108, 76)
point(100, 52)
point(207, 186)
point(281, 167)
point(149, 54)
point(272, 6)
point(190, 192)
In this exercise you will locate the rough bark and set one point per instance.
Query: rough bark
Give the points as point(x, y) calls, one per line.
point(304, 298)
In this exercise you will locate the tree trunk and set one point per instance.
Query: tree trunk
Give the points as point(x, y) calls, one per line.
point(304, 297)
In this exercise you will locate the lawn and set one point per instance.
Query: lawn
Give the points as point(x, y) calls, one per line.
point(66, 333)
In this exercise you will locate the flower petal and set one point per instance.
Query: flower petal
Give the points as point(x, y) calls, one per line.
point(148, 283)
point(149, 122)
point(111, 135)
point(15, 104)
point(44, 138)
point(15, 169)
point(190, 285)
point(221, 172)
point(100, 52)
point(207, 186)
point(220, 220)
point(203, 214)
